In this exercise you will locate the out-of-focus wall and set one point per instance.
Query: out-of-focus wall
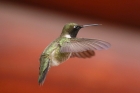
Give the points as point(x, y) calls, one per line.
point(122, 11)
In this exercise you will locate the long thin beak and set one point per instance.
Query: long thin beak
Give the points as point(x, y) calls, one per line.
point(91, 25)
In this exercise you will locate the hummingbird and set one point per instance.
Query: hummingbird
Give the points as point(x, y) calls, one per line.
point(68, 46)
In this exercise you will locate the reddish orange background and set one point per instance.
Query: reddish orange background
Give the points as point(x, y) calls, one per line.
point(122, 12)
point(26, 31)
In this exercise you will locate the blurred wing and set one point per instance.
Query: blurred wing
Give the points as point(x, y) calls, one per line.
point(84, 54)
point(82, 47)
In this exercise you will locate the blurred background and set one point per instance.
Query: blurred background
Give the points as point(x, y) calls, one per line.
point(28, 26)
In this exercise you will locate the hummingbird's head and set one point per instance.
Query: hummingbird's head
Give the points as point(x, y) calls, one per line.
point(70, 30)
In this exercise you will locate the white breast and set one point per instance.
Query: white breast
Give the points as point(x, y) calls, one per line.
point(54, 61)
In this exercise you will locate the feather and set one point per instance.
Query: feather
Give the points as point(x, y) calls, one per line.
point(82, 47)
point(43, 69)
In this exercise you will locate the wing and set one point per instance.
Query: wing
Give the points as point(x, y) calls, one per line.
point(82, 47)
point(84, 54)
point(43, 69)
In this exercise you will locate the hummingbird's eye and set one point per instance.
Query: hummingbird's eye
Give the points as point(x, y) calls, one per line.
point(74, 26)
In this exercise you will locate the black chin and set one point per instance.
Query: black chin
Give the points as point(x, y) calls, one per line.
point(75, 31)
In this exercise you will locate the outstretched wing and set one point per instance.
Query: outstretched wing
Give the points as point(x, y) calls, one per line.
point(83, 47)
point(43, 69)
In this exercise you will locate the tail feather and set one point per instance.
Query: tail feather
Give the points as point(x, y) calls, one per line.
point(44, 67)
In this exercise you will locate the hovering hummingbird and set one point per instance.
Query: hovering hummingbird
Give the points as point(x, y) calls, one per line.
point(68, 46)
